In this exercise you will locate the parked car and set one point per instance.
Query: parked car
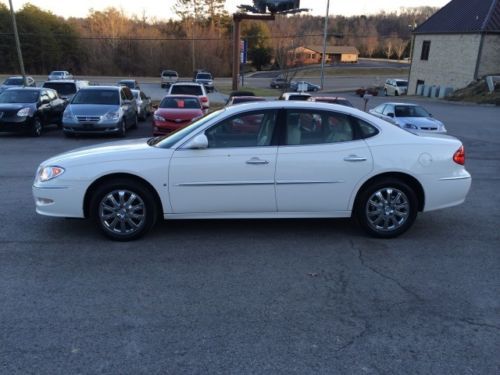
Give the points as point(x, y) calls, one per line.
point(100, 110)
point(176, 112)
point(396, 87)
point(30, 109)
point(294, 96)
point(60, 74)
point(65, 88)
point(303, 86)
point(191, 88)
point(205, 78)
point(280, 83)
point(168, 77)
point(16, 81)
point(408, 116)
point(331, 100)
point(143, 104)
point(375, 173)
point(244, 99)
point(362, 91)
point(132, 84)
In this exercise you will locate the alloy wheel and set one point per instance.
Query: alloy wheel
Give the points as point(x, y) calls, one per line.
point(122, 212)
point(387, 209)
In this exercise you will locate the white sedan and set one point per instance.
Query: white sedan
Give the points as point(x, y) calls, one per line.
point(260, 160)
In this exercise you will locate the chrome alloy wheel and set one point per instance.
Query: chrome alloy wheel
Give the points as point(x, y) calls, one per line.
point(387, 209)
point(122, 212)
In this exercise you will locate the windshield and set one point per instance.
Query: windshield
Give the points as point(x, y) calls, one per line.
point(169, 74)
point(19, 96)
point(179, 102)
point(13, 82)
point(57, 73)
point(186, 90)
point(203, 76)
point(410, 111)
point(401, 83)
point(105, 97)
point(65, 88)
point(168, 141)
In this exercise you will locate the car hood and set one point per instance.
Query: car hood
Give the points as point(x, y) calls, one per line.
point(419, 121)
point(92, 109)
point(15, 106)
point(178, 113)
point(134, 149)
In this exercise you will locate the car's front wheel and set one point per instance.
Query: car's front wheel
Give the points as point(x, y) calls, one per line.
point(123, 210)
point(386, 208)
point(37, 127)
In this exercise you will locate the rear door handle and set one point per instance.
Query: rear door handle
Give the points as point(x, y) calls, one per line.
point(256, 160)
point(354, 158)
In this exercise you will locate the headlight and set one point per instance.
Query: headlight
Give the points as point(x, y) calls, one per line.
point(411, 126)
point(24, 112)
point(112, 116)
point(67, 115)
point(159, 118)
point(48, 173)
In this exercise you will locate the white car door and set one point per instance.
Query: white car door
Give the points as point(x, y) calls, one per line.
point(234, 174)
point(323, 159)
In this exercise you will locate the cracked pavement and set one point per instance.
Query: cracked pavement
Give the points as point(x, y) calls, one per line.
point(252, 297)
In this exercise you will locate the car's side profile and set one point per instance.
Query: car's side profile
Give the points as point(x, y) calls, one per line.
point(260, 160)
point(395, 87)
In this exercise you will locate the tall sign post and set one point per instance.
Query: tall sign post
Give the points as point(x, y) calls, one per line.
point(323, 60)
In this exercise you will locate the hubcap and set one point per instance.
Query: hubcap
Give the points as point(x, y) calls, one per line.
point(122, 212)
point(387, 209)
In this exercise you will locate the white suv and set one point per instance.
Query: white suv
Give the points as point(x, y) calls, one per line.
point(191, 88)
point(395, 87)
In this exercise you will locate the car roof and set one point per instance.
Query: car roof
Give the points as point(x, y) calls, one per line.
point(127, 80)
point(181, 96)
point(101, 88)
point(60, 81)
point(328, 98)
point(28, 88)
point(399, 103)
point(186, 83)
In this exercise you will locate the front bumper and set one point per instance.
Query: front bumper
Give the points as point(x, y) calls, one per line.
point(108, 127)
point(16, 124)
point(59, 200)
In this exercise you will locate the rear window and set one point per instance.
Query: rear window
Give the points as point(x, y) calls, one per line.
point(298, 97)
point(105, 97)
point(204, 76)
point(237, 100)
point(169, 73)
point(62, 88)
point(186, 90)
point(19, 96)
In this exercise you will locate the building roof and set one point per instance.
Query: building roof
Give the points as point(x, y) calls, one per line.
point(335, 49)
point(464, 16)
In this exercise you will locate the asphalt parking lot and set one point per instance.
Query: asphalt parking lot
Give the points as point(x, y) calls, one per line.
point(245, 297)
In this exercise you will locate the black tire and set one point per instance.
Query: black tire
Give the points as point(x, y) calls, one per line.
point(396, 206)
point(123, 129)
point(127, 227)
point(37, 127)
point(396, 93)
point(68, 134)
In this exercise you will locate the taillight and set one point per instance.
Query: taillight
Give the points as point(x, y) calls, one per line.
point(459, 156)
point(204, 99)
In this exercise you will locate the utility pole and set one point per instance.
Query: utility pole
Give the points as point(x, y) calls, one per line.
point(18, 43)
point(323, 60)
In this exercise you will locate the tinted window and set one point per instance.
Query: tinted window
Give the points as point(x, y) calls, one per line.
point(298, 97)
point(173, 102)
point(250, 129)
point(186, 90)
point(401, 83)
point(204, 76)
point(106, 97)
point(13, 82)
point(305, 127)
point(365, 129)
point(63, 88)
point(410, 111)
point(19, 96)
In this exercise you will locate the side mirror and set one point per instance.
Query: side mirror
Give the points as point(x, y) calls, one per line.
point(390, 114)
point(198, 142)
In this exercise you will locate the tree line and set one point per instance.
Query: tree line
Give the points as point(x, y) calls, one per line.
point(109, 42)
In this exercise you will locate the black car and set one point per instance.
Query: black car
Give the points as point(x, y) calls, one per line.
point(30, 109)
point(279, 83)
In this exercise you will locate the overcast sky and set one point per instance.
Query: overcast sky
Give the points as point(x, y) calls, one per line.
point(161, 9)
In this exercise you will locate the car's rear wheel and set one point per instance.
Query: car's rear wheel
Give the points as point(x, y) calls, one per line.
point(123, 129)
point(123, 210)
point(387, 208)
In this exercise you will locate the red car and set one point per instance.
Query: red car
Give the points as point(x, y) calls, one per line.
point(176, 112)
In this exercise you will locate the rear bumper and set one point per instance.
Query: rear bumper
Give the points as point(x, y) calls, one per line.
point(448, 191)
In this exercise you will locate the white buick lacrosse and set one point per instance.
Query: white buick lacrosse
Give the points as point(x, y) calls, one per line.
point(260, 160)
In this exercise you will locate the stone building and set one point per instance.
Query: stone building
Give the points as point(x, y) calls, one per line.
point(457, 45)
point(313, 55)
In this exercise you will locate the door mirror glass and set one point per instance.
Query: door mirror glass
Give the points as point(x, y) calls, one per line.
point(198, 142)
point(390, 114)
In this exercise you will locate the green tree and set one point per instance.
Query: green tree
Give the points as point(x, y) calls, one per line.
point(258, 36)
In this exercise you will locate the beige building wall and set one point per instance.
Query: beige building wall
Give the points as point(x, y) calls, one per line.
point(490, 56)
point(451, 63)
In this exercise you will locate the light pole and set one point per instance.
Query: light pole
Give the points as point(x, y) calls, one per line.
point(323, 60)
point(18, 43)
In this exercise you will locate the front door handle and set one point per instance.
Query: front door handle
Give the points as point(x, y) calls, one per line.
point(256, 160)
point(354, 158)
